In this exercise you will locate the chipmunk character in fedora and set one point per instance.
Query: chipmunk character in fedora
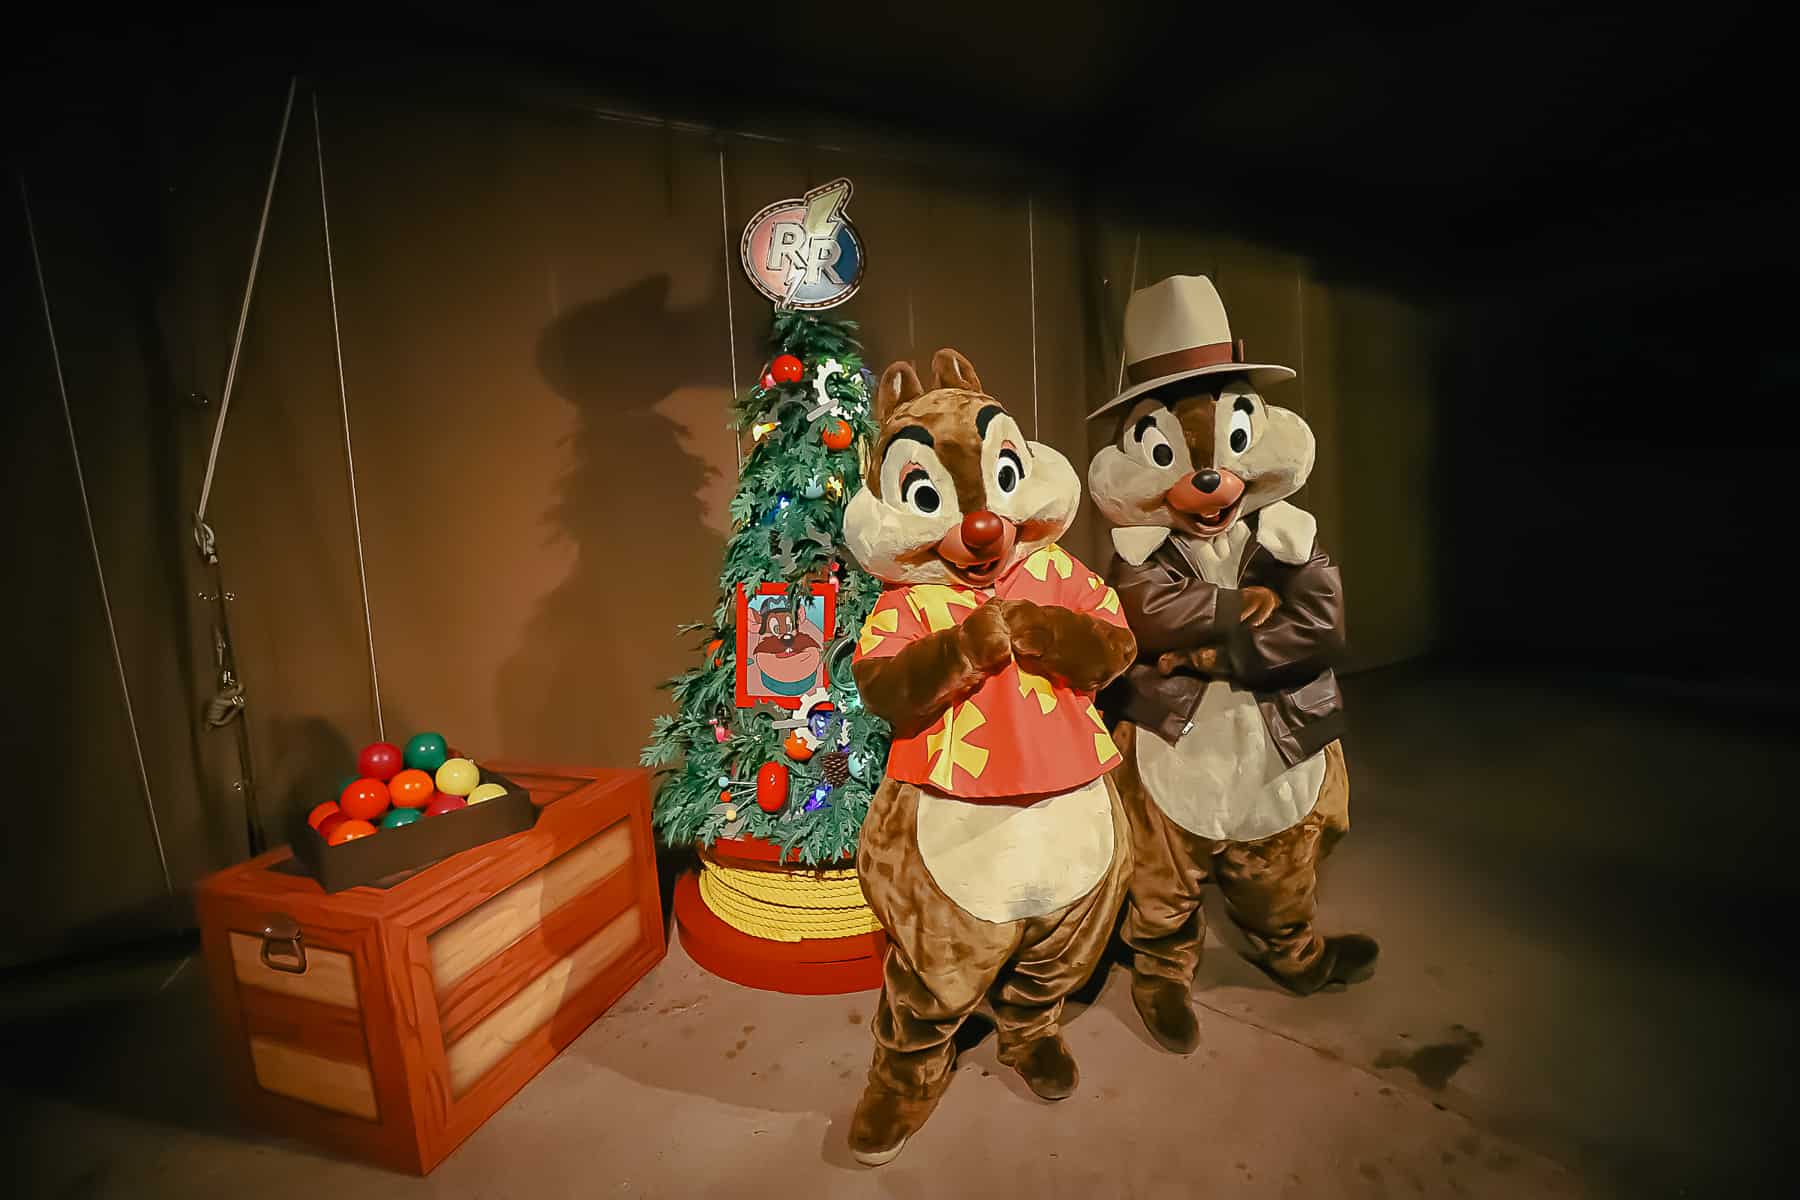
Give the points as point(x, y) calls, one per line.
point(1229, 719)
point(995, 850)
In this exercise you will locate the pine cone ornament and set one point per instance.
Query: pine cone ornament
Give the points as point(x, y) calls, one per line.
point(835, 767)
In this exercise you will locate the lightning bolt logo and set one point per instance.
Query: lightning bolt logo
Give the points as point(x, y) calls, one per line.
point(824, 213)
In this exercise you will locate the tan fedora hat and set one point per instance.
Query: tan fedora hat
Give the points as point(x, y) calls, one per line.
point(1176, 329)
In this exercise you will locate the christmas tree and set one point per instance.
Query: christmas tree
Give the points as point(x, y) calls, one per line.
point(799, 779)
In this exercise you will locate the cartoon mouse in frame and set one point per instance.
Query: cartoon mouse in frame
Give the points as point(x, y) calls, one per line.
point(995, 849)
point(1229, 719)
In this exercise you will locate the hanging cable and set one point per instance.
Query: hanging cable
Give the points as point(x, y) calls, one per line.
point(87, 516)
point(1031, 259)
point(1136, 245)
point(737, 444)
point(337, 344)
point(202, 535)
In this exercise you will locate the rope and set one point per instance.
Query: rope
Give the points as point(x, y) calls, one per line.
point(204, 539)
point(1137, 244)
point(737, 443)
point(337, 344)
point(787, 906)
point(87, 516)
point(1031, 259)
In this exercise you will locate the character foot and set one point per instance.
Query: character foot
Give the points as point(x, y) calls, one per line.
point(1348, 958)
point(884, 1119)
point(1163, 1004)
point(1048, 1068)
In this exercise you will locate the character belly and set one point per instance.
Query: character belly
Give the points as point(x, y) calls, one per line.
point(1002, 863)
point(1225, 779)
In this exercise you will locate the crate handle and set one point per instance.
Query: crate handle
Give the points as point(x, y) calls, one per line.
point(280, 929)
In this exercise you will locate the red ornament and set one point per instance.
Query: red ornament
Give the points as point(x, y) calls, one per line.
point(796, 747)
point(328, 825)
point(768, 382)
point(380, 760)
point(772, 787)
point(320, 812)
point(441, 804)
point(787, 369)
point(364, 800)
point(837, 435)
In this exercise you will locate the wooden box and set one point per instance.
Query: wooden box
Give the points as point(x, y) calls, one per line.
point(389, 1023)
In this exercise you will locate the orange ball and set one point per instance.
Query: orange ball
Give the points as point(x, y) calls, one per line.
point(412, 789)
point(321, 812)
point(364, 799)
point(349, 831)
point(838, 435)
point(796, 747)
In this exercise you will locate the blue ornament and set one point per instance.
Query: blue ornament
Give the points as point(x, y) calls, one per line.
point(819, 722)
point(859, 763)
point(818, 801)
point(814, 489)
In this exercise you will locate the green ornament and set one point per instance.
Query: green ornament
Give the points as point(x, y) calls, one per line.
point(396, 817)
point(426, 752)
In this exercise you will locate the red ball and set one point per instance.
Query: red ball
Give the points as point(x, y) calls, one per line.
point(838, 435)
point(412, 789)
point(772, 787)
point(441, 804)
point(787, 369)
point(364, 800)
point(349, 831)
point(320, 812)
point(380, 760)
point(328, 825)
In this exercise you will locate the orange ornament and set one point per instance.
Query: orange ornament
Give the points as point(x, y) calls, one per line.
point(838, 435)
point(364, 799)
point(412, 789)
point(321, 812)
point(796, 747)
point(349, 831)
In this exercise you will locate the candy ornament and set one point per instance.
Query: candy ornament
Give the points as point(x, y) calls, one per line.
point(458, 777)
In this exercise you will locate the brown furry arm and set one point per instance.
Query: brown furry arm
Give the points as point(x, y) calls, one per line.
point(1086, 651)
point(911, 690)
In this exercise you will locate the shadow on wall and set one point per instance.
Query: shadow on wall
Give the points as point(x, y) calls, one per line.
point(583, 686)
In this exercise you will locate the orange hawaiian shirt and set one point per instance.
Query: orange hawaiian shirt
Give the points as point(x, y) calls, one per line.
point(1020, 734)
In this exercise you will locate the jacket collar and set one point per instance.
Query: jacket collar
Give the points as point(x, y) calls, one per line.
point(1283, 530)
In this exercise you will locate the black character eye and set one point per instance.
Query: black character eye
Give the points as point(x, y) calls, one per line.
point(1012, 470)
point(1239, 438)
point(1162, 455)
point(919, 492)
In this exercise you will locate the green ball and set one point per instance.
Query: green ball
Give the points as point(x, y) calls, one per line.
point(397, 817)
point(426, 752)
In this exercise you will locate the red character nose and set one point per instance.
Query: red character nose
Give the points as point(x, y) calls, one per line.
point(982, 532)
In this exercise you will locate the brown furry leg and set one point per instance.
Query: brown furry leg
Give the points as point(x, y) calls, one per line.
point(1056, 955)
point(1271, 891)
point(1165, 925)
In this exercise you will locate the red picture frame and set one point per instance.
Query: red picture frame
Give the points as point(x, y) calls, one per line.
point(781, 648)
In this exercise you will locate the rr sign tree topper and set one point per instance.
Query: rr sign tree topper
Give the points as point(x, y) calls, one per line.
point(805, 253)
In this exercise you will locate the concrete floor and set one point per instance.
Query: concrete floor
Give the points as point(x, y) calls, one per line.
point(1581, 993)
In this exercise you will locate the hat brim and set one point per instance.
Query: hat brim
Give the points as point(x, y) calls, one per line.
point(1259, 373)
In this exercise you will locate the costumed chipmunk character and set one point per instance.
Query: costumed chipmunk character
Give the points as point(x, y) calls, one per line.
point(1229, 719)
point(995, 850)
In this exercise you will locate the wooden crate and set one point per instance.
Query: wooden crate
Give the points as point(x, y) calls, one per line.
point(402, 1018)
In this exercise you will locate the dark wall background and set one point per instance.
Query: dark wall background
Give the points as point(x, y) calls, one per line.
point(1529, 265)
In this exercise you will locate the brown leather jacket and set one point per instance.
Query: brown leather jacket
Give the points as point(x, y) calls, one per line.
point(1286, 661)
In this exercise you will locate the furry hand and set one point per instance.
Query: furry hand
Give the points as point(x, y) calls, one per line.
point(1257, 604)
point(1029, 629)
point(1205, 660)
point(985, 637)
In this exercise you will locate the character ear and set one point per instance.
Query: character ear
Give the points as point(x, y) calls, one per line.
point(899, 383)
point(950, 369)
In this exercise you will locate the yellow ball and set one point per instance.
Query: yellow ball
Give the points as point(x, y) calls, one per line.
point(486, 791)
point(458, 777)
